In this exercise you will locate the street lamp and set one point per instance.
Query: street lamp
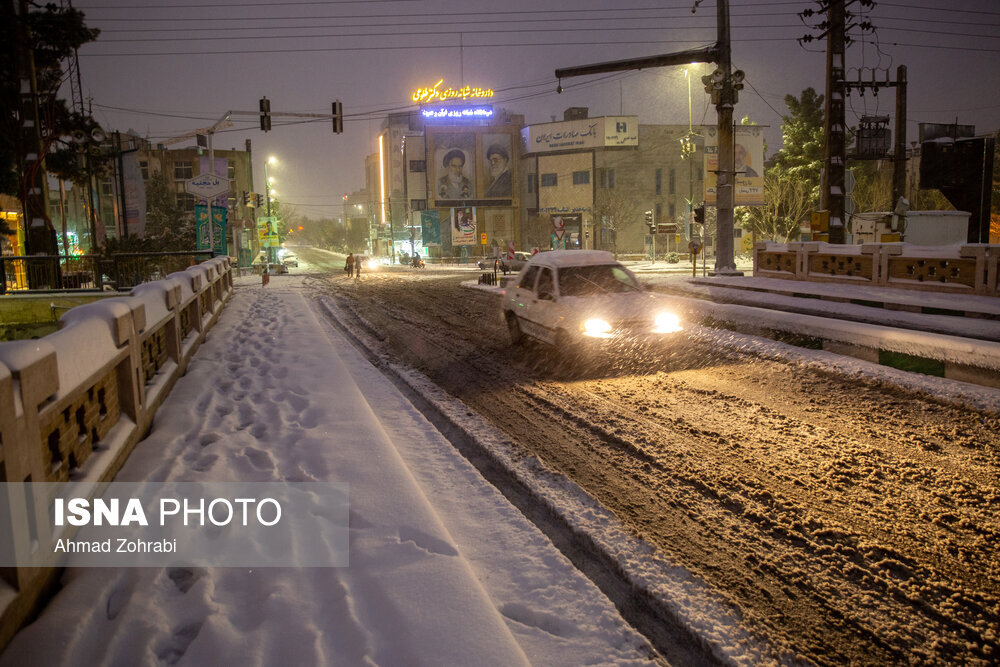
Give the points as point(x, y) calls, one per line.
point(688, 150)
point(268, 180)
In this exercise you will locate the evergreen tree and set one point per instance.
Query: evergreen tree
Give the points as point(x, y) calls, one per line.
point(801, 155)
point(166, 224)
point(55, 33)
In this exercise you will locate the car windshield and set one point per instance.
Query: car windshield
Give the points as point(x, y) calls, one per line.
point(599, 279)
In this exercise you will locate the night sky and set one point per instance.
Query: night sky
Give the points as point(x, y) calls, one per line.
point(167, 67)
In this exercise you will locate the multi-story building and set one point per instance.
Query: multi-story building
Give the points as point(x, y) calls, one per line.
point(443, 182)
point(589, 182)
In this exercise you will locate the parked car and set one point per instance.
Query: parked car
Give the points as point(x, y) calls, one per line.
point(583, 301)
point(290, 259)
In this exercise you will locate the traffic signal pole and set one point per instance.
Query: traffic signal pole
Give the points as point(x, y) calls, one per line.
point(724, 97)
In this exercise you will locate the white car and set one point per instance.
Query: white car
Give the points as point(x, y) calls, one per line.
point(581, 300)
point(289, 259)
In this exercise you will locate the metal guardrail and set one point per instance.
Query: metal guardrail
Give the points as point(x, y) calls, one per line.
point(62, 273)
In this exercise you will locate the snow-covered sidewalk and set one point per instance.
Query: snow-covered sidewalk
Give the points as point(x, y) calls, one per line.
point(443, 570)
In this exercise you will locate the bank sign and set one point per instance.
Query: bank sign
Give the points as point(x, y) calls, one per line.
point(603, 132)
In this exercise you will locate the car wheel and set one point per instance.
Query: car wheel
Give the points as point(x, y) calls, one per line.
point(514, 329)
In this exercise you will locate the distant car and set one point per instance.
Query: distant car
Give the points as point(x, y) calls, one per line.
point(583, 301)
point(504, 264)
point(290, 260)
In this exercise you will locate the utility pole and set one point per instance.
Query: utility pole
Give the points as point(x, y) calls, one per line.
point(724, 87)
point(899, 162)
point(835, 151)
point(41, 235)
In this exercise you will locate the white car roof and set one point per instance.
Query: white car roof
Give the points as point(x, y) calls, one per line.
point(561, 258)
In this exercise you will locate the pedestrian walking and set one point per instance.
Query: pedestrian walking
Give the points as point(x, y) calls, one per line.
point(349, 266)
point(357, 267)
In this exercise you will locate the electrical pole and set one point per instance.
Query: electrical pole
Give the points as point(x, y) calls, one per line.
point(724, 87)
point(834, 153)
point(40, 234)
point(899, 162)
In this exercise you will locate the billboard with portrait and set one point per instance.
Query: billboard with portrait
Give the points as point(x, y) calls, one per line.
point(497, 166)
point(463, 226)
point(454, 176)
point(748, 152)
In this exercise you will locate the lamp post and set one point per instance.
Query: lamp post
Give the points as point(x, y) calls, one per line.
point(267, 196)
point(688, 150)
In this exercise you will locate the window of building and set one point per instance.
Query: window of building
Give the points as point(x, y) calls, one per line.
point(581, 178)
point(659, 213)
point(659, 181)
point(418, 204)
point(418, 166)
point(673, 181)
point(231, 170)
point(532, 183)
point(611, 178)
point(107, 190)
point(144, 169)
point(183, 171)
point(550, 180)
point(673, 211)
point(185, 202)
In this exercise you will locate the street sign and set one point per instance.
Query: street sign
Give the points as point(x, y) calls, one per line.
point(206, 185)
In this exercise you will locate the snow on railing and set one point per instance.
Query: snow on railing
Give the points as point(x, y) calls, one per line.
point(966, 269)
point(74, 404)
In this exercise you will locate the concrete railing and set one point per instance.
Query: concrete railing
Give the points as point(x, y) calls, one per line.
point(74, 404)
point(965, 269)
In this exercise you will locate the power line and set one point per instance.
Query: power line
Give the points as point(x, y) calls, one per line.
point(486, 46)
point(426, 32)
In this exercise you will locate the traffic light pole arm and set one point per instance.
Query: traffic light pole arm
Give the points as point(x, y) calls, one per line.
point(708, 54)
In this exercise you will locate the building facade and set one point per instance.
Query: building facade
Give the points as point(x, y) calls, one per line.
point(589, 182)
point(445, 183)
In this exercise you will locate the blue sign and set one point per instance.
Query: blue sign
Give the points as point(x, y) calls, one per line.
point(474, 112)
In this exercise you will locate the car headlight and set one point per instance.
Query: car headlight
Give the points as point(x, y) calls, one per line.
point(597, 328)
point(667, 323)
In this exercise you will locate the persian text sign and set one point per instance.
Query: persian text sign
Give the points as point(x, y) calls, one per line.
point(206, 185)
point(604, 132)
point(436, 92)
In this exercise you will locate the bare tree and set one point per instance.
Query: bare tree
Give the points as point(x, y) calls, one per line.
point(872, 186)
point(787, 202)
point(613, 211)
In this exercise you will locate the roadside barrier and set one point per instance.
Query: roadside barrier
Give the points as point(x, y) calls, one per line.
point(965, 269)
point(76, 402)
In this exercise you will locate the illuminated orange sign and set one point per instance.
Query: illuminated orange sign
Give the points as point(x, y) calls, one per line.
point(424, 95)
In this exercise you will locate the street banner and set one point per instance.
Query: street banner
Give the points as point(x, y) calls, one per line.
point(218, 228)
point(430, 228)
point(463, 226)
point(135, 195)
point(748, 164)
point(267, 233)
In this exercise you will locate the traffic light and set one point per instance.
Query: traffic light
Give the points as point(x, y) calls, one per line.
point(260, 199)
point(246, 198)
point(338, 117)
point(699, 215)
point(265, 114)
point(649, 222)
